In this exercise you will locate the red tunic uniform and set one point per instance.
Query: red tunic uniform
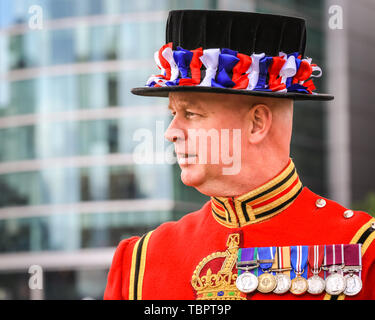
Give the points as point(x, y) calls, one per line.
point(179, 259)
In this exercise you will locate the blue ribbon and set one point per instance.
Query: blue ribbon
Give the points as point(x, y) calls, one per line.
point(173, 83)
point(264, 64)
point(229, 51)
point(227, 60)
point(266, 253)
point(289, 80)
point(183, 57)
point(296, 87)
point(303, 259)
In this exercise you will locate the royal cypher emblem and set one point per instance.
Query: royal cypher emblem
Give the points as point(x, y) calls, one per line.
point(214, 277)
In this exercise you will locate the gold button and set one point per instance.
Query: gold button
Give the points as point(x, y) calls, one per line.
point(348, 214)
point(373, 225)
point(320, 203)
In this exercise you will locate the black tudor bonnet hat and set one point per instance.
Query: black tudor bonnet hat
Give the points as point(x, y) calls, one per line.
point(236, 53)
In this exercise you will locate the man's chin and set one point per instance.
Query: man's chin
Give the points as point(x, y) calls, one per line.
point(192, 177)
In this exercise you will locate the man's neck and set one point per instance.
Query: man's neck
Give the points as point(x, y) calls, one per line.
point(250, 178)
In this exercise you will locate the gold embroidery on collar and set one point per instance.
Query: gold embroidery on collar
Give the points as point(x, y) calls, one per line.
point(259, 204)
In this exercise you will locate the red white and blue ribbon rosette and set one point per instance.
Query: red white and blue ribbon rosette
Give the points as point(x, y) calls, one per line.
point(226, 68)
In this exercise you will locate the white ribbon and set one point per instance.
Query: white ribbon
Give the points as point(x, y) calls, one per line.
point(168, 55)
point(253, 71)
point(307, 59)
point(284, 55)
point(316, 68)
point(289, 69)
point(157, 79)
point(157, 60)
point(210, 60)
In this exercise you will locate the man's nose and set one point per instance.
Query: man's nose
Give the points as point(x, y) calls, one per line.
point(174, 132)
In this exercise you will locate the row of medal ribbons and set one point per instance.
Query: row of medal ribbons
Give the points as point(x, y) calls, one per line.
point(335, 269)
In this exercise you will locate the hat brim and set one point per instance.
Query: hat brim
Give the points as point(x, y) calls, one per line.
point(164, 92)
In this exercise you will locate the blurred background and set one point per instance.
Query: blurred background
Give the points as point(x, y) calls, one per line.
point(69, 188)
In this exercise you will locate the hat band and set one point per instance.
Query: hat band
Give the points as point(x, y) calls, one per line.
point(226, 68)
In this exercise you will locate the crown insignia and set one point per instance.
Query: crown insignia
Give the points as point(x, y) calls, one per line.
point(213, 284)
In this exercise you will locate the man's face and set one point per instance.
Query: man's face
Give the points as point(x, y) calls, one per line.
point(208, 133)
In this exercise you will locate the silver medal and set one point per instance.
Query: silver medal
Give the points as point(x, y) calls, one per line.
point(353, 285)
point(283, 283)
point(335, 284)
point(316, 284)
point(247, 282)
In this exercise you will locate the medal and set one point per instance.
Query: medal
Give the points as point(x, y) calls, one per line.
point(267, 282)
point(335, 284)
point(246, 281)
point(353, 284)
point(283, 281)
point(316, 284)
point(299, 255)
point(333, 263)
point(299, 285)
point(353, 266)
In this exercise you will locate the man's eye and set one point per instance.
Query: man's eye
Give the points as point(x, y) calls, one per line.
point(189, 114)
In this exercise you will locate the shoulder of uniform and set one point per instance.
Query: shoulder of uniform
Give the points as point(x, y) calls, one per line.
point(344, 221)
point(123, 247)
point(365, 235)
point(334, 210)
point(187, 224)
point(154, 244)
point(120, 262)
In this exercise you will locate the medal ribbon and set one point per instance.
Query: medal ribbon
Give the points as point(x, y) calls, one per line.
point(248, 254)
point(266, 253)
point(315, 258)
point(352, 256)
point(298, 259)
point(333, 255)
point(283, 259)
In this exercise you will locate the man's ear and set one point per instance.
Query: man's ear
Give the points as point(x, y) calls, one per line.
point(260, 117)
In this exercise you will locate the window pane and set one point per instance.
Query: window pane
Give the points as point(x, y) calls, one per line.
point(88, 230)
point(96, 183)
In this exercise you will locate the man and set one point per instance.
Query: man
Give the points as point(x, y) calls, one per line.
point(262, 235)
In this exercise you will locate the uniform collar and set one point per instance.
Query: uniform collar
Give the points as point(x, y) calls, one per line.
point(262, 203)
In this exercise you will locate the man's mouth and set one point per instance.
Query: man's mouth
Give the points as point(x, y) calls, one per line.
point(185, 158)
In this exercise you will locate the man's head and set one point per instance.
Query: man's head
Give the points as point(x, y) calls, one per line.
point(208, 129)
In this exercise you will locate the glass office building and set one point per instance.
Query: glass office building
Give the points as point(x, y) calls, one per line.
point(70, 189)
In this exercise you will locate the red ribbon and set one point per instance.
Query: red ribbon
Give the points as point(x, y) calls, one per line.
point(274, 71)
point(315, 258)
point(303, 73)
point(240, 78)
point(164, 63)
point(309, 85)
point(195, 69)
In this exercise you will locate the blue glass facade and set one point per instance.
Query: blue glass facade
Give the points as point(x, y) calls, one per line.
point(67, 179)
